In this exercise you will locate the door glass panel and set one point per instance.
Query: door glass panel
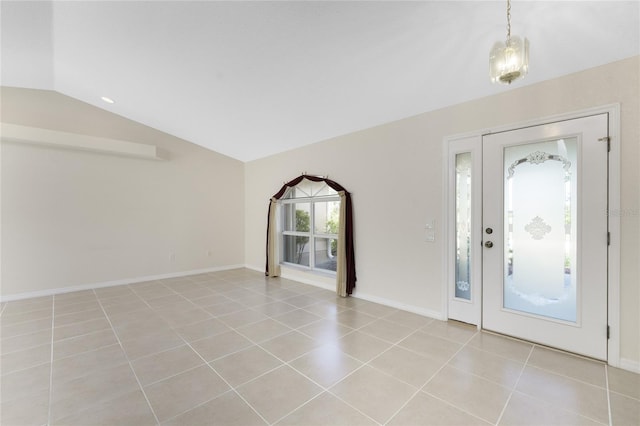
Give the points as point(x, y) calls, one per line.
point(540, 208)
point(463, 226)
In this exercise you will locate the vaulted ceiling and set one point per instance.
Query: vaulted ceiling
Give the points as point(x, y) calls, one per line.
point(251, 79)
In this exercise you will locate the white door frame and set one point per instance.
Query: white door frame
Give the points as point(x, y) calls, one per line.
point(613, 305)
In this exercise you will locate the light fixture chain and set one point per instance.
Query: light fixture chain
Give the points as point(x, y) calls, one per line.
point(508, 19)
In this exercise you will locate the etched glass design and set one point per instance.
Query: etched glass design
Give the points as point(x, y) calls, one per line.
point(463, 226)
point(540, 207)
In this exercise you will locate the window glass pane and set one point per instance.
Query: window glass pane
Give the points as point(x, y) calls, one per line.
point(296, 249)
point(325, 251)
point(540, 208)
point(326, 217)
point(463, 226)
point(296, 217)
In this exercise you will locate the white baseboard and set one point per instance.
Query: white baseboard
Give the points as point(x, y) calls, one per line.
point(630, 365)
point(399, 305)
point(91, 286)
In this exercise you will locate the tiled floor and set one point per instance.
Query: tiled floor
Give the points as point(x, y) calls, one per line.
point(225, 348)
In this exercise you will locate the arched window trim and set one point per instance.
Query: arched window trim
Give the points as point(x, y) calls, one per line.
point(346, 273)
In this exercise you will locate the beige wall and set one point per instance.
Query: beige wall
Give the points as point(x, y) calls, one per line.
point(395, 174)
point(73, 218)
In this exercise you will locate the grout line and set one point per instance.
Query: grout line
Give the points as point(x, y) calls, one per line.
point(49, 404)
point(606, 377)
point(515, 385)
point(113, 330)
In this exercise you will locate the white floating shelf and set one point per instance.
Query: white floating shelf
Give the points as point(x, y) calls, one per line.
point(64, 140)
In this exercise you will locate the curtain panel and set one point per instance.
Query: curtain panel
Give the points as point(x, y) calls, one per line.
point(346, 269)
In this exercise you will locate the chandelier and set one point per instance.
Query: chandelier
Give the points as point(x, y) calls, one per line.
point(509, 60)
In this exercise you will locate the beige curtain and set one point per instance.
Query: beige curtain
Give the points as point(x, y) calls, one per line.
point(341, 273)
point(274, 253)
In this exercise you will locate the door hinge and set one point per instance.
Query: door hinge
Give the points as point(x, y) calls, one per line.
point(608, 332)
point(608, 238)
point(606, 139)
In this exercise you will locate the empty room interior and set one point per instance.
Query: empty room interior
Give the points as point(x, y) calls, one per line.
point(320, 213)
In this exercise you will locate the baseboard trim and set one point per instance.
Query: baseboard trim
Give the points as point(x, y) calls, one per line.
point(630, 365)
point(399, 305)
point(91, 286)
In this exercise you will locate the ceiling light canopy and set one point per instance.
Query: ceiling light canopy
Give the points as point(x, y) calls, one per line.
point(509, 60)
point(108, 100)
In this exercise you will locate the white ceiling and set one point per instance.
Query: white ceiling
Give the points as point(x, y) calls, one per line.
point(251, 79)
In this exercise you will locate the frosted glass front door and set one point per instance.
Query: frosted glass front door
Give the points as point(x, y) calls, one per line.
point(540, 228)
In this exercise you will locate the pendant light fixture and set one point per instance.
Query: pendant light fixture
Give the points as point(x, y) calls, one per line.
point(509, 60)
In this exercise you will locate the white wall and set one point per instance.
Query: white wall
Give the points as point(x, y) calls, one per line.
point(395, 174)
point(73, 218)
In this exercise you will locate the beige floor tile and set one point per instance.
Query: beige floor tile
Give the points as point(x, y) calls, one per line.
point(152, 343)
point(211, 299)
point(25, 383)
point(91, 390)
point(408, 319)
point(274, 309)
point(354, 319)
point(298, 318)
point(255, 299)
point(163, 301)
point(123, 308)
point(374, 393)
point(374, 309)
point(25, 341)
point(30, 410)
point(502, 371)
point(26, 358)
point(153, 368)
point(324, 309)
point(263, 330)
point(406, 366)
point(326, 410)
point(83, 343)
point(28, 305)
point(245, 365)
point(425, 410)
point(120, 299)
point(77, 317)
point(523, 410)
point(202, 329)
point(140, 329)
point(362, 346)
point(196, 293)
point(325, 330)
point(624, 410)
point(130, 409)
point(28, 327)
point(74, 297)
point(184, 392)
point(214, 347)
point(289, 346)
point(385, 330)
point(503, 346)
point(241, 318)
point(470, 393)
point(432, 346)
point(114, 291)
point(624, 382)
point(224, 308)
point(182, 318)
point(573, 366)
point(80, 328)
point(144, 316)
point(227, 409)
point(326, 365)
point(451, 330)
point(74, 366)
point(71, 308)
point(301, 300)
point(21, 317)
point(278, 393)
point(565, 393)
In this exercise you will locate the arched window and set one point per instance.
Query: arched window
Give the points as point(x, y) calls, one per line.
point(310, 225)
point(309, 220)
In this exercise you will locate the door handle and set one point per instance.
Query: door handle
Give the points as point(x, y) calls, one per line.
point(488, 244)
